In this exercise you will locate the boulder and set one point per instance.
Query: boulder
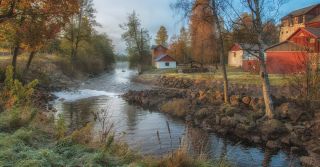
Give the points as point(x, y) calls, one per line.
point(310, 161)
point(273, 144)
point(202, 113)
point(289, 110)
point(228, 122)
point(240, 118)
point(246, 100)
point(256, 104)
point(273, 128)
point(234, 100)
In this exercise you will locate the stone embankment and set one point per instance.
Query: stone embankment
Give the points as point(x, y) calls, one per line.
point(293, 128)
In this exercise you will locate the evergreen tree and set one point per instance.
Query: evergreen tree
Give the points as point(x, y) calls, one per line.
point(162, 36)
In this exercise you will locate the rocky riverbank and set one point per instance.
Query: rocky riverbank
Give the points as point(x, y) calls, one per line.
point(294, 128)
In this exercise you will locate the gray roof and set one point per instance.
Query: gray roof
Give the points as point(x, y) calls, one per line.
point(300, 12)
point(316, 19)
point(250, 47)
point(314, 31)
point(286, 46)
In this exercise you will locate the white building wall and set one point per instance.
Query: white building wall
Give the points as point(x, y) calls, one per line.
point(235, 58)
point(162, 65)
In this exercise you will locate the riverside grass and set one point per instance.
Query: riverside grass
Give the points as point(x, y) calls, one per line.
point(235, 75)
point(35, 144)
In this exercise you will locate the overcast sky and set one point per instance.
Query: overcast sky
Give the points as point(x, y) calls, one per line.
point(153, 14)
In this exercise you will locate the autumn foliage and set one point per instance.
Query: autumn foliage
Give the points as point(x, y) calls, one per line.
point(203, 33)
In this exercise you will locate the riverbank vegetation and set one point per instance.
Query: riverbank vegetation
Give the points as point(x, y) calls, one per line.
point(30, 136)
point(65, 38)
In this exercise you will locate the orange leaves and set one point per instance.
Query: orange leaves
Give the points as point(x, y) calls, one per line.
point(34, 22)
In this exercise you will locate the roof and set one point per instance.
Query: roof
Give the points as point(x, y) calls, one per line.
point(253, 47)
point(300, 12)
point(156, 46)
point(164, 58)
point(249, 47)
point(316, 19)
point(314, 31)
point(285, 46)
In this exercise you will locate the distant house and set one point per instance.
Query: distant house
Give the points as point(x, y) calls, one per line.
point(158, 50)
point(160, 58)
point(165, 62)
point(302, 18)
point(291, 56)
point(244, 56)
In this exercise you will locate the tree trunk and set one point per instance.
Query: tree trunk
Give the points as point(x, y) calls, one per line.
point(222, 54)
point(31, 56)
point(14, 59)
point(266, 90)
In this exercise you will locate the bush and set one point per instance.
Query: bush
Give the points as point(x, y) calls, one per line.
point(14, 92)
point(176, 107)
point(16, 118)
point(83, 135)
point(60, 128)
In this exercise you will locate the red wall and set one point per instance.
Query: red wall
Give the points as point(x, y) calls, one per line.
point(251, 65)
point(285, 62)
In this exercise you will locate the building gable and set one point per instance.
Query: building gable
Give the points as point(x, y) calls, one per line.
point(164, 58)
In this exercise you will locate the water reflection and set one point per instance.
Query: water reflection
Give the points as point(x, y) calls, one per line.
point(142, 129)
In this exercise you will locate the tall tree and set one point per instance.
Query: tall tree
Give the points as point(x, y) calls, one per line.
point(203, 29)
point(243, 30)
point(215, 10)
point(162, 37)
point(180, 47)
point(137, 40)
point(211, 11)
point(80, 27)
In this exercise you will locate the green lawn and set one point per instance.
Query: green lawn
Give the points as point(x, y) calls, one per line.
point(235, 75)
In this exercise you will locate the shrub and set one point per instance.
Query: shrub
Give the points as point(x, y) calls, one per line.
point(14, 92)
point(83, 135)
point(16, 118)
point(176, 107)
point(60, 128)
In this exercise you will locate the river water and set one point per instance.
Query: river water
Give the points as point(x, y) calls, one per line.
point(151, 132)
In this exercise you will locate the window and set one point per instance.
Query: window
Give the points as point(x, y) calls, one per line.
point(167, 64)
point(300, 19)
point(312, 40)
point(234, 54)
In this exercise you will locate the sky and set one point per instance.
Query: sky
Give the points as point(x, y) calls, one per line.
point(154, 13)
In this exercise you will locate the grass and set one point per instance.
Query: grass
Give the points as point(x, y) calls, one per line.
point(176, 107)
point(34, 143)
point(235, 75)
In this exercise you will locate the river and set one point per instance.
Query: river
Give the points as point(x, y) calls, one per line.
point(151, 132)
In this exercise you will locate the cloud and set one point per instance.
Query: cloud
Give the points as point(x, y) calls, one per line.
point(152, 13)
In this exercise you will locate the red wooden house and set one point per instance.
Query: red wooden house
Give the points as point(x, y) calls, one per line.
point(291, 56)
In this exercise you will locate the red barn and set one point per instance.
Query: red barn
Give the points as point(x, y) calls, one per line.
point(291, 55)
